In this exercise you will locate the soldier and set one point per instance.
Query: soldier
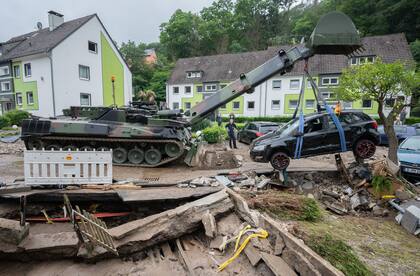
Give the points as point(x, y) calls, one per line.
point(231, 128)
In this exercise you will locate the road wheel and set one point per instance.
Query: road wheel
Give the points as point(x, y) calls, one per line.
point(364, 148)
point(86, 148)
point(70, 147)
point(35, 144)
point(152, 156)
point(280, 161)
point(54, 147)
point(119, 155)
point(172, 149)
point(135, 156)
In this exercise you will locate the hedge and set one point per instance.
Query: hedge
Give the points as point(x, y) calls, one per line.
point(253, 119)
point(4, 122)
point(16, 116)
point(415, 111)
point(214, 134)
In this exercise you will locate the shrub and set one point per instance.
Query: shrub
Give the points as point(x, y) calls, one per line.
point(381, 184)
point(16, 116)
point(415, 111)
point(201, 125)
point(4, 122)
point(412, 120)
point(214, 134)
point(310, 210)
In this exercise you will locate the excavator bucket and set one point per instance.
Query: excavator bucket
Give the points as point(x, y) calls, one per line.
point(335, 34)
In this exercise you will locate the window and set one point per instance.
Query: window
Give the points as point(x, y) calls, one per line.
point(328, 95)
point(276, 83)
point(85, 99)
point(275, 104)
point(187, 105)
point(194, 74)
point(310, 104)
point(236, 105)
point(16, 71)
point(4, 71)
point(27, 69)
point(19, 98)
point(5, 86)
point(330, 81)
point(175, 105)
point(353, 61)
point(367, 103)
point(362, 60)
point(211, 87)
point(187, 89)
point(347, 105)
point(199, 88)
point(84, 72)
point(293, 104)
point(223, 106)
point(312, 125)
point(294, 84)
point(308, 83)
point(93, 47)
point(251, 105)
point(175, 89)
point(30, 98)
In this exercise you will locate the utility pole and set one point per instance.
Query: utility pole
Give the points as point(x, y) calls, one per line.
point(113, 90)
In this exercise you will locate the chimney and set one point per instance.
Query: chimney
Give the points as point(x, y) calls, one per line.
point(55, 19)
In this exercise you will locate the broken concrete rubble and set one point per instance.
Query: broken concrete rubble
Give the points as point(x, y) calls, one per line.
point(12, 232)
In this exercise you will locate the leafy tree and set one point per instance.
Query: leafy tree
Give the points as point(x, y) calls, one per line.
point(415, 50)
point(180, 35)
point(380, 82)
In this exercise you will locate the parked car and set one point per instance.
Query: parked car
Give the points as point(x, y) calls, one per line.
point(256, 129)
point(409, 157)
point(401, 131)
point(320, 137)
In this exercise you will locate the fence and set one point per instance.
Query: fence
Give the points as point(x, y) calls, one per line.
point(67, 167)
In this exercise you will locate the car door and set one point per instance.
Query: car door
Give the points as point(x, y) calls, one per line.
point(251, 132)
point(242, 133)
point(313, 137)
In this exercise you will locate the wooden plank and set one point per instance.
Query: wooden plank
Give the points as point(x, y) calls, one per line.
point(185, 258)
point(277, 265)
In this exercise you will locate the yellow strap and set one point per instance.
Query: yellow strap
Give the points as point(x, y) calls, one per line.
point(262, 234)
point(240, 236)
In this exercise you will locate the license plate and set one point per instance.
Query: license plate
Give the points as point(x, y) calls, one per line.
point(410, 170)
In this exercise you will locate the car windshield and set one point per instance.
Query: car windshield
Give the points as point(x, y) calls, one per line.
point(288, 128)
point(268, 128)
point(412, 143)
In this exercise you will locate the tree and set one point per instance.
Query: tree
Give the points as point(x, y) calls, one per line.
point(381, 82)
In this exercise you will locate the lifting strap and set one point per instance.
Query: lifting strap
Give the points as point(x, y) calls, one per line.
point(299, 140)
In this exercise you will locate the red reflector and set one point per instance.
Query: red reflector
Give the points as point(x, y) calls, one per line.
point(259, 134)
point(375, 125)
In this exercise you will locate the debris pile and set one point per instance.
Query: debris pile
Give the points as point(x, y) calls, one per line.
point(15, 147)
point(216, 156)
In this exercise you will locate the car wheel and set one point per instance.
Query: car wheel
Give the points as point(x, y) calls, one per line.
point(364, 148)
point(280, 161)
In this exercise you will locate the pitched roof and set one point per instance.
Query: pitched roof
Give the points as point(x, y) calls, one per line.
point(228, 67)
point(40, 41)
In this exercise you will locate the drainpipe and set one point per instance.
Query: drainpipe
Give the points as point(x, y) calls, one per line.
point(52, 81)
point(265, 102)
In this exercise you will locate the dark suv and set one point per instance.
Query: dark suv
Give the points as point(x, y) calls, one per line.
point(320, 137)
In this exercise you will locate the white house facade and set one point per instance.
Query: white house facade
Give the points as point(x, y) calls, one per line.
point(67, 64)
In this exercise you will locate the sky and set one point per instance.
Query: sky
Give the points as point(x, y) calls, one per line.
point(136, 20)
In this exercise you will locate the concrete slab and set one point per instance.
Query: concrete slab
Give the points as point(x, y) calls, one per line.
point(277, 265)
point(12, 232)
point(65, 243)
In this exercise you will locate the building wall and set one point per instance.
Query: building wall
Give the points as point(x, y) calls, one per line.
point(6, 96)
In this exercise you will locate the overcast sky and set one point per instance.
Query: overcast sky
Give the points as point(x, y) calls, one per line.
point(136, 20)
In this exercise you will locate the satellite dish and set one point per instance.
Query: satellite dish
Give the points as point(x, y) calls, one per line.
point(39, 25)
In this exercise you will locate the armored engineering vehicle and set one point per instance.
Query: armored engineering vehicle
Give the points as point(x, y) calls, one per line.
point(154, 140)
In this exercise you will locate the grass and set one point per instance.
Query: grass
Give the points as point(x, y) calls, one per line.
point(339, 254)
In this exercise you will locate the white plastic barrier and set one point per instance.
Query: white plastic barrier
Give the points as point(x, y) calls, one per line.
point(67, 167)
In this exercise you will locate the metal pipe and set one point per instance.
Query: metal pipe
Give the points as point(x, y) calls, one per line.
point(52, 82)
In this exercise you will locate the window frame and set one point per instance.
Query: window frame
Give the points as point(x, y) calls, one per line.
point(313, 104)
point(17, 76)
point(275, 87)
point(2, 85)
point(223, 106)
point(290, 105)
point(233, 105)
point(173, 105)
point(273, 105)
point(371, 104)
point(4, 68)
point(27, 98)
point(294, 80)
point(187, 103)
point(96, 47)
point(185, 89)
point(27, 69)
point(210, 90)
point(175, 90)
point(329, 81)
point(199, 88)
point(19, 95)
point(193, 74)
point(89, 97)
point(88, 71)
point(250, 108)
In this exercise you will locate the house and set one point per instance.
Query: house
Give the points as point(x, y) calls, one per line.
point(65, 64)
point(194, 79)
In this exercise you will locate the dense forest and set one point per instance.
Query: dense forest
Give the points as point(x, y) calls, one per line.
point(229, 26)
